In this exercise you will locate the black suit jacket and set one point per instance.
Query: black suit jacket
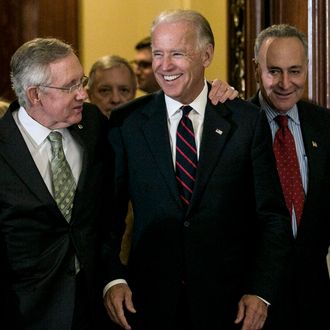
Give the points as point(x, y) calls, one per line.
point(37, 245)
point(232, 239)
point(305, 302)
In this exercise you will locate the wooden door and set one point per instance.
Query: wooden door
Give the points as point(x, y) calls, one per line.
point(23, 20)
point(248, 17)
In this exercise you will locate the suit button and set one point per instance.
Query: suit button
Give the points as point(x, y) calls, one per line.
point(186, 224)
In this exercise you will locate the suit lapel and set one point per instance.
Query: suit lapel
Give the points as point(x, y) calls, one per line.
point(15, 152)
point(76, 132)
point(313, 148)
point(156, 133)
point(215, 133)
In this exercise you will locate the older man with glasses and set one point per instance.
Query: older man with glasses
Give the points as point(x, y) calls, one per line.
point(53, 179)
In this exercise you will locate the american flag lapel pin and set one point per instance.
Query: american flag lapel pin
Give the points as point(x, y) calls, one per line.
point(218, 131)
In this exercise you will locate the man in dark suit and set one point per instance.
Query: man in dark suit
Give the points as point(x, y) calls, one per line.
point(212, 260)
point(49, 252)
point(281, 59)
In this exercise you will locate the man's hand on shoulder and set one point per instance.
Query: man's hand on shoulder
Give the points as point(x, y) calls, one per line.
point(221, 91)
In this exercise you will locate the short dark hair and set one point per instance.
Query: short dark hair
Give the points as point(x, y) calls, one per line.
point(144, 43)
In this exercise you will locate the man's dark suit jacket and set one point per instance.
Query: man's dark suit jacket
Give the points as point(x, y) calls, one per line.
point(305, 301)
point(233, 238)
point(37, 245)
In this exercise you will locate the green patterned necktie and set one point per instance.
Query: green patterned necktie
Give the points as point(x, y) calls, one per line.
point(64, 185)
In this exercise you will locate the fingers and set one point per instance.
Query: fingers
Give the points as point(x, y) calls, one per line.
point(221, 92)
point(233, 93)
point(240, 313)
point(252, 311)
point(117, 298)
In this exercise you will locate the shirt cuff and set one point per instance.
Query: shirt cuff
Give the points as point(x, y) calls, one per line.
point(111, 284)
point(265, 301)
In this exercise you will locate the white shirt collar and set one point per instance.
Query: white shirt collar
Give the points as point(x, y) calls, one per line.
point(37, 132)
point(199, 104)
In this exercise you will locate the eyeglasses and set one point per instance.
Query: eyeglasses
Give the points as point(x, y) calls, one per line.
point(142, 64)
point(81, 84)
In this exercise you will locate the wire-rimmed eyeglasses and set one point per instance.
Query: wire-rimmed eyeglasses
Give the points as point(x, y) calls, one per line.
point(81, 84)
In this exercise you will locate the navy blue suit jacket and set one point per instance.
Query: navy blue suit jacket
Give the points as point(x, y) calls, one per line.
point(234, 236)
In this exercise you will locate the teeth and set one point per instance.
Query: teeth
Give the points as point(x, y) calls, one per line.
point(172, 77)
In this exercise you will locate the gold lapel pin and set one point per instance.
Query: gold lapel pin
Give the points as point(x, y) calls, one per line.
point(314, 144)
point(80, 126)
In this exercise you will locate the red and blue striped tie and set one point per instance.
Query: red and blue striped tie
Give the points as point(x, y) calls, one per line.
point(186, 156)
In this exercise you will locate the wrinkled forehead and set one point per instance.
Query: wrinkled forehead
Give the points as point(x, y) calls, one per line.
point(289, 51)
point(264, 48)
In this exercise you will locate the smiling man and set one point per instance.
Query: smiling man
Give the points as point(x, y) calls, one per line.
point(211, 232)
point(281, 60)
point(52, 182)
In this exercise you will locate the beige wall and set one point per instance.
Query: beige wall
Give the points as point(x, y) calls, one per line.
point(114, 27)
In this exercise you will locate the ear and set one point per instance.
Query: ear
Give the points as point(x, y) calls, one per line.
point(256, 67)
point(33, 95)
point(207, 56)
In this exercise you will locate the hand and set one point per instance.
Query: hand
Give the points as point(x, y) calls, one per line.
point(116, 298)
point(252, 311)
point(221, 91)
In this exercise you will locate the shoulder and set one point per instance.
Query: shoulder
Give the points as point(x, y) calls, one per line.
point(92, 119)
point(240, 108)
point(312, 112)
point(135, 108)
point(310, 106)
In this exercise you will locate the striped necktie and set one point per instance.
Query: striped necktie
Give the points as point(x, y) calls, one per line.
point(186, 156)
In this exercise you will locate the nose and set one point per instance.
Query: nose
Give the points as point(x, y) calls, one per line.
point(115, 97)
point(285, 80)
point(166, 62)
point(81, 93)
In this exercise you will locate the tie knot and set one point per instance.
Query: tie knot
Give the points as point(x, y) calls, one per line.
point(55, 137)
point(282, 121)
point(186, 109)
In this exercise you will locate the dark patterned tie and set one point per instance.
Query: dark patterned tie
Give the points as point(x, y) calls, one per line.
point(64, 185)
point(186, 156)
point(288, 168)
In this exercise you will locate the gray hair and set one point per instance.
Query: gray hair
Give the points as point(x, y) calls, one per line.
point(109, 62)
point(279, 31)
point(204, 32)
point(30, 64)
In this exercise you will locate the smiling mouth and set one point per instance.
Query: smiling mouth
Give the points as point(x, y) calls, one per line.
point(171, 77)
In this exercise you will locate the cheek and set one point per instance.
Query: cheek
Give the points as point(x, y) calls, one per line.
point(267, 82)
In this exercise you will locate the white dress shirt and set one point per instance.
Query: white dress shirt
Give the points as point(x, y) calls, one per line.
point(196, 115)
point(35, 136)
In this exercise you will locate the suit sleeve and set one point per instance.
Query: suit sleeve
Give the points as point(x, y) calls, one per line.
point(116, 226)
point(273, 245)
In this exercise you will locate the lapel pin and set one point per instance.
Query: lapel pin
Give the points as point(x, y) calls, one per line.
point(314, 144)
point(80, 126)
point(218, 131)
